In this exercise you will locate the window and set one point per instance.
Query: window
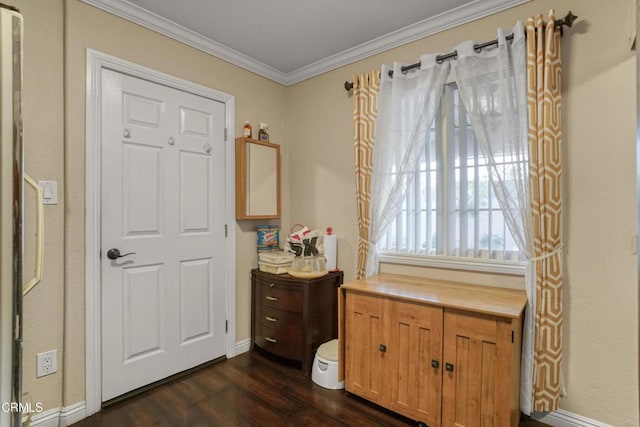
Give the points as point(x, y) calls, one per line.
point(450, 211)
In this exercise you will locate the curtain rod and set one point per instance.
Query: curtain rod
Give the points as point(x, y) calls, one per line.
point(567, 20)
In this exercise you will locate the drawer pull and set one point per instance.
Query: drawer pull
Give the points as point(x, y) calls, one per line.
point(435, 363)
point(270, 339)
point(383, 348)
point(271, 319)
point(270, 298)
point(449, 367)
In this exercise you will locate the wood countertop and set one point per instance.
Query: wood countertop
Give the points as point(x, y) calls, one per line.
point(481, 299)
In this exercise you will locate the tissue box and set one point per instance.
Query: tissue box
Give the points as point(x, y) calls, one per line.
point(268, 237)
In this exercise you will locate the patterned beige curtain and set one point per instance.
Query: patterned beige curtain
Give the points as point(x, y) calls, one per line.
point(545, 144)
point(365, 101)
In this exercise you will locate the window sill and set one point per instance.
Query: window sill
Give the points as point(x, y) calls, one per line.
point(474, 265)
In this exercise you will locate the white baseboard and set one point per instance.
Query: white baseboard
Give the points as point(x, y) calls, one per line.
point(50, 418)
point(562, 418)
point(60, 417)
point(243, 346)
point(72, 414)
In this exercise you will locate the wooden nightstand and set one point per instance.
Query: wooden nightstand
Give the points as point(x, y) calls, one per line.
point(291, 317)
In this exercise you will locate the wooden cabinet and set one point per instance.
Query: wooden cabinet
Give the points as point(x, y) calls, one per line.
point(257, 179)
point(446, 354)
point(415, 346)
point(364, 323)
point(291, 317)
point(481, 362)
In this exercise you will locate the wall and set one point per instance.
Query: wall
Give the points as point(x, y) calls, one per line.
point(318, 186)
point(600, 306)
point(57, 34)
point(44, 158)
point(256, 99)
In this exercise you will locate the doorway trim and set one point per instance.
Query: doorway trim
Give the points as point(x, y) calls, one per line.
point(96, 62)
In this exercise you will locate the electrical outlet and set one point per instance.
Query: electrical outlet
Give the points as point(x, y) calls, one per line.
point(47, 363)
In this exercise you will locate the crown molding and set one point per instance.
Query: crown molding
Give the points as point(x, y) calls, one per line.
point(157, 23)
point(469, 12)
point(453, 18)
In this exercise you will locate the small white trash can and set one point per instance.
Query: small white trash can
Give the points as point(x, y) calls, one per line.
point(325, 366)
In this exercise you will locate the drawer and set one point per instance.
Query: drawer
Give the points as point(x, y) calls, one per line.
point(279, 298)
point(277, 282)
point(278, 343)
point(283, 323)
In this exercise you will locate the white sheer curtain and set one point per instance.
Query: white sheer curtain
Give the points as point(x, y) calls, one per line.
point(493, 87)
point(406, 109)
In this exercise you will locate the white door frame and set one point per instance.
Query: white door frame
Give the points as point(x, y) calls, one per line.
point(96, 62)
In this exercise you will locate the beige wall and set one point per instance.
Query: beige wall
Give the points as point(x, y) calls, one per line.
point(601, 322)
point(44, 157)
point(256, 99)
point(312, 121)
point(57, 34)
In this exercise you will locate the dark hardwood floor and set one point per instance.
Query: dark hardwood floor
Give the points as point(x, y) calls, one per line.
point(248, 390)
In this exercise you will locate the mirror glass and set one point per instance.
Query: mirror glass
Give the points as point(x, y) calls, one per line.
point(257, 179)
point(262, 180)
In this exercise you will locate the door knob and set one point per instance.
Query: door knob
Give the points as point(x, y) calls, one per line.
point(115, 253)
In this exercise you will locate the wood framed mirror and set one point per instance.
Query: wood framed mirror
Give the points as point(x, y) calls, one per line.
point(257, 179)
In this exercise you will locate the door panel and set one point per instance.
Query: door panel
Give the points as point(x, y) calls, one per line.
point(194, 192)
point(195, 123)
point(364, 336)
point(143, 111)
point(163, 200)
point(416, 341)
point(143, 311)
point(195, 297)
point(143, 172)
point(476, 391)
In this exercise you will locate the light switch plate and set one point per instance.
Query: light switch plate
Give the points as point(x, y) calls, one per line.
point(50, 190)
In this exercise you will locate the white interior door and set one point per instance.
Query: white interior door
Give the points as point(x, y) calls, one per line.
point(163, 201)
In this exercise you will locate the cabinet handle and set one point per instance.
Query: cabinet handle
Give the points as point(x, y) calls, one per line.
point(272, 298)
point(435, 363)
point(270, 339)
point(383, 348)
point(271, 319)
point(271, 285)
point(448, 367)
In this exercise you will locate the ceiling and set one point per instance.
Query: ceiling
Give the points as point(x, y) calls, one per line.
point(291, 40)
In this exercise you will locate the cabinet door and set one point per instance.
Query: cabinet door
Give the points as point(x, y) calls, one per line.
point(477, 371)
point(415, 356)
point(364, 354)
